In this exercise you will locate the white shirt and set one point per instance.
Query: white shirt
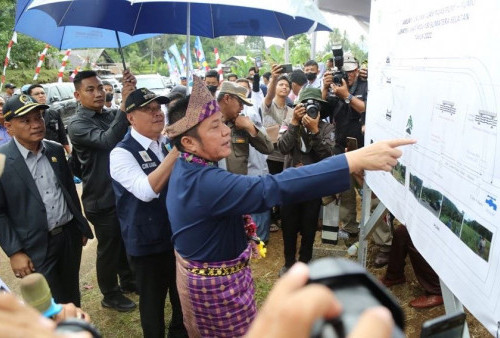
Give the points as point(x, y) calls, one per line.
point(125, 169)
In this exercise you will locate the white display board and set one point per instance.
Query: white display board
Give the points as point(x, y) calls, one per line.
point(435, 77)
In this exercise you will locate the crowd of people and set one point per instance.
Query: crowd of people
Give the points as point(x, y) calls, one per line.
point(180, 202)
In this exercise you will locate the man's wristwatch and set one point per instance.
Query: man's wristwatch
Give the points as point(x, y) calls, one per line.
point(348, 99)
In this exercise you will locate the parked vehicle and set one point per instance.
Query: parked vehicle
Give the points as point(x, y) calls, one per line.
point(60, 96)
point(153, 82)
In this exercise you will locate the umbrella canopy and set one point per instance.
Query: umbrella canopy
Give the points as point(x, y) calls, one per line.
point(41, 26)
point(276, 18)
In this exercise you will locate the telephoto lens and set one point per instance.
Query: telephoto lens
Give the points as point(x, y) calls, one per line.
point(312, 108)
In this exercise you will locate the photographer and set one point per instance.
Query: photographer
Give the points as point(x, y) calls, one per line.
point(306, 140)
point(346, 95)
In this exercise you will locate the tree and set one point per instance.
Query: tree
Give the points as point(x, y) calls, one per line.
point(300, 49)
point(24, 54)
point(254, 44)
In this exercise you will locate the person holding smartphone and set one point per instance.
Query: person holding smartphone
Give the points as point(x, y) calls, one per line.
point(347, 105)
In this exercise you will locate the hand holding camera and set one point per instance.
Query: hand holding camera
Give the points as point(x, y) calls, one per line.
point(298, 113)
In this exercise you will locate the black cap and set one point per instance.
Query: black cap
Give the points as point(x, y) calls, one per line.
point(141, 97)
point(19, 105)
point(178, 90)
point(10, 86)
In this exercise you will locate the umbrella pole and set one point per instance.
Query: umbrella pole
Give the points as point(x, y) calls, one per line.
point(120, 50)
point(188, 45)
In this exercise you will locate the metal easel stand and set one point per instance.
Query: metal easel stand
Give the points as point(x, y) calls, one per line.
point(367, 226)
point(452, 305)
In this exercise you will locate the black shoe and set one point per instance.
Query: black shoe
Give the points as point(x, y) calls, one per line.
point(118, 302)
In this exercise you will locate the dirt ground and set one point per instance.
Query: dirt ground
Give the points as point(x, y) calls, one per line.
point(114, 324)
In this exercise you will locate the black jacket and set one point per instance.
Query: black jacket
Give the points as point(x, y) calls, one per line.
point(23, 220)
point(93, 136)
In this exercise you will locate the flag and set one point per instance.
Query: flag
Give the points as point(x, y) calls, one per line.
point(172, 68)
point(7, 57)
point(200, 54)
point(175, 52)
point(219, 66)
point(40, 62)
point(63, 65)
point(184, 52)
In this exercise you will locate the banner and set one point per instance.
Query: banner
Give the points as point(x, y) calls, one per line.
point(184, 52)
point(175, 52)
point(435, 77)
point(219, 65)
point(200, 54)
point(172, 68)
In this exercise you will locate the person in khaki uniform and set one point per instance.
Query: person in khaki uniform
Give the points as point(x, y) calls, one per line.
point(244, 132)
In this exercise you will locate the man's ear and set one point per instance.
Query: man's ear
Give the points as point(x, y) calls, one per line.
point(8, 126)
point(130, 117)
point(76, 94)
point(190, 144)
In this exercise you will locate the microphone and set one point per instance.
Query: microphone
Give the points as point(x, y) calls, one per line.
point(36, 292)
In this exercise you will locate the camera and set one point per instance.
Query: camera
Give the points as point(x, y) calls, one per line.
point(338, 61)
point(356, 290)
point(312, 108)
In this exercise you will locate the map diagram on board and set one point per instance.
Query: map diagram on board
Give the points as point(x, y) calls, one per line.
point(435, 77)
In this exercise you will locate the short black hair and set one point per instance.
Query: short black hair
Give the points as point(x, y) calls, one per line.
point(231, 75)
point(330, 60)
point(176, 111)
point(284, 77)
point(244, 80)
point(212, 73)
point(85, 74)
point(252, 68)
point(106, 83)
point(33, 86)
point(311, 63)
point(267, 75)
point(298, 77)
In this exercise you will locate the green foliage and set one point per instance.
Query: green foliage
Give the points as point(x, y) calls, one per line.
point(21, 77)
point(24, 54)
point(449, 210)
point(300, 49)
point(242, 66)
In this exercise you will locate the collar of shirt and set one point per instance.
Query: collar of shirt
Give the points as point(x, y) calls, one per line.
point(25, 152)
point(144, 141)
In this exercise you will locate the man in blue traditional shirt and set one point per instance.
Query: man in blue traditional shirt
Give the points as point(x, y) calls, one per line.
point(206, 204)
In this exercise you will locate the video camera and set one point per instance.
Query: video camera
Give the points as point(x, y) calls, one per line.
point(338, 61)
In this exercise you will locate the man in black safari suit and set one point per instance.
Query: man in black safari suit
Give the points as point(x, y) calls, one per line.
point(41, 224)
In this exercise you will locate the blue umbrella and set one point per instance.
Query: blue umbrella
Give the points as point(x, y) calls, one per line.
point(41, 26)
point(276, 18)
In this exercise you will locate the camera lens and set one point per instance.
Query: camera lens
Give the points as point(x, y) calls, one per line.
point(312, 109)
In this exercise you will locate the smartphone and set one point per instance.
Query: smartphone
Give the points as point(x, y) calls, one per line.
point(286, 68)
point(447, 326)
point(258, 62)
point(352, 143)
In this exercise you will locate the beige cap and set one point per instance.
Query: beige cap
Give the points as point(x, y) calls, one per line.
point(235, 89)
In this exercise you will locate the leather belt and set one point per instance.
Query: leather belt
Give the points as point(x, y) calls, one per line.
point(57, 230)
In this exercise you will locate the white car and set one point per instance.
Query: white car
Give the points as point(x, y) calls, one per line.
point(153, 82)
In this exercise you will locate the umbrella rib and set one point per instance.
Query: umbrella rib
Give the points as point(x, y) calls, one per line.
point(66, 12)
point(279, 24)
point(137, 18)
point(212, 21)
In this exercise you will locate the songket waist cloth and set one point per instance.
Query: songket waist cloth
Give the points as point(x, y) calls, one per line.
point(217, 297)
